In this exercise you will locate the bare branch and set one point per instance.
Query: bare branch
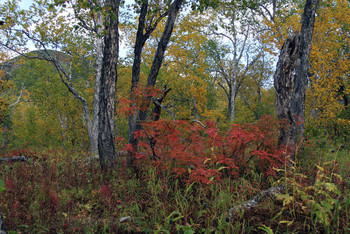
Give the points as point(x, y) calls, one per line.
point(155, 101)
point(18, 98)
point(197, 121)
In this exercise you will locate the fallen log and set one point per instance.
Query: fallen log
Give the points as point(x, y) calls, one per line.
point(256, 200)
point(14, 159)
point(125, 219)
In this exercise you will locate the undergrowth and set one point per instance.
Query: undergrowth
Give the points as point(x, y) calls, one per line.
point(188, 177)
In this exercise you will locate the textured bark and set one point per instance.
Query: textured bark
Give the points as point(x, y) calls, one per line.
point(232, 100)
point(283, 82)
point(14, 159)
point(141, 39)
point(290, 79)
point(135, 122)
point(302, 66)
point(158, 104)
point(106, 112)
point(159, 56)
point(163, 43)
point(98, 71)
point(257, 200)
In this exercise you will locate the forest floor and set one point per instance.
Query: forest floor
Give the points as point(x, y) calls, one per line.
point(61, 192)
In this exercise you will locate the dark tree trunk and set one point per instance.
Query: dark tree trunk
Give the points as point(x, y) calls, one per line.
point(158, 104)
point(159, 56)
point(106, 146)
point(303, 65)
point(135, 125)
point(291, 88)
point(141, 39)
point(283, 82)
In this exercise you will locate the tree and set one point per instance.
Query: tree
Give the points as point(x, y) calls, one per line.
point(184, 70)
point(253, 91)
point(136, 119)
point(57, 114)
point(47, 27)
point(327, 95)
point(291, 88)
point(53, 29)
point(232, 60)
point(106, 112)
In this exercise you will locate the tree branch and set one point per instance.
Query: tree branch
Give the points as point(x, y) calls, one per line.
point(18, 98)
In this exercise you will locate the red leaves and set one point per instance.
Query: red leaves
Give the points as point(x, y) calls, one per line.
point(106, 192)
point(53, 201)
point(204, 155)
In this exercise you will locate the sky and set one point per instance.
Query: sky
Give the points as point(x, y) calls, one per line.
point(25, 4)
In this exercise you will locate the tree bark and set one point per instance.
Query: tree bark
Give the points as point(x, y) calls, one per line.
point(141, 39)
point(291, 88)
point(159, 56)
point(283, 82)
point(106, 112)
point(135, 122)
point(232, 100)
point(14, 159)
point(98, 74)
point(302, 66)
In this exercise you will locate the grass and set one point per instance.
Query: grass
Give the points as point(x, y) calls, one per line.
point(61, 192)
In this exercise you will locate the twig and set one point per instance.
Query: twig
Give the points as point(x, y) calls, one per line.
point(197, 121)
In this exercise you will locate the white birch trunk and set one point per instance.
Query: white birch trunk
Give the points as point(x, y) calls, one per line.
point(96, 108)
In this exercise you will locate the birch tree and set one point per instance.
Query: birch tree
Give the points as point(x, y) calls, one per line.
point(232, 59)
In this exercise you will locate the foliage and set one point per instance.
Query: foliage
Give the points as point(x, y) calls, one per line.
point(198, 153)
point(47, 115)
point(192, 169)
point(184, 70)
point(60, 191)
point(320, 203)
point(3, 101)
point(330, 66)
point(329, 80)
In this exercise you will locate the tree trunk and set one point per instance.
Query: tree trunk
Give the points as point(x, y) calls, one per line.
point(152, 77)
point(98, 71)
point(302, 66)
point(141, 39)
point(283, 82)
point(291, 88)
point(159, 56)
point(232, 100)
point(106, 125)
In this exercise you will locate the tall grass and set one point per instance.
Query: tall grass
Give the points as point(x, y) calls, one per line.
point(63, 192)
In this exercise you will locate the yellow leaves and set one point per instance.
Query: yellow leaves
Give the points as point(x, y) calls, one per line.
point(287, 222)
point(267, 229)
point(213, 115)
point(285, 23)
point(329, 63)
point(286, 198)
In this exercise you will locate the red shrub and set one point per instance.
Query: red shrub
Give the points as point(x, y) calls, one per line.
point(203, 154)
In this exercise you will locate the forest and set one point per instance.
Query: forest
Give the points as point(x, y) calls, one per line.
point(174, 116)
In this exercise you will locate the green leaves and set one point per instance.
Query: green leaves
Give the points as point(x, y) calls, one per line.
point(2, 186)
